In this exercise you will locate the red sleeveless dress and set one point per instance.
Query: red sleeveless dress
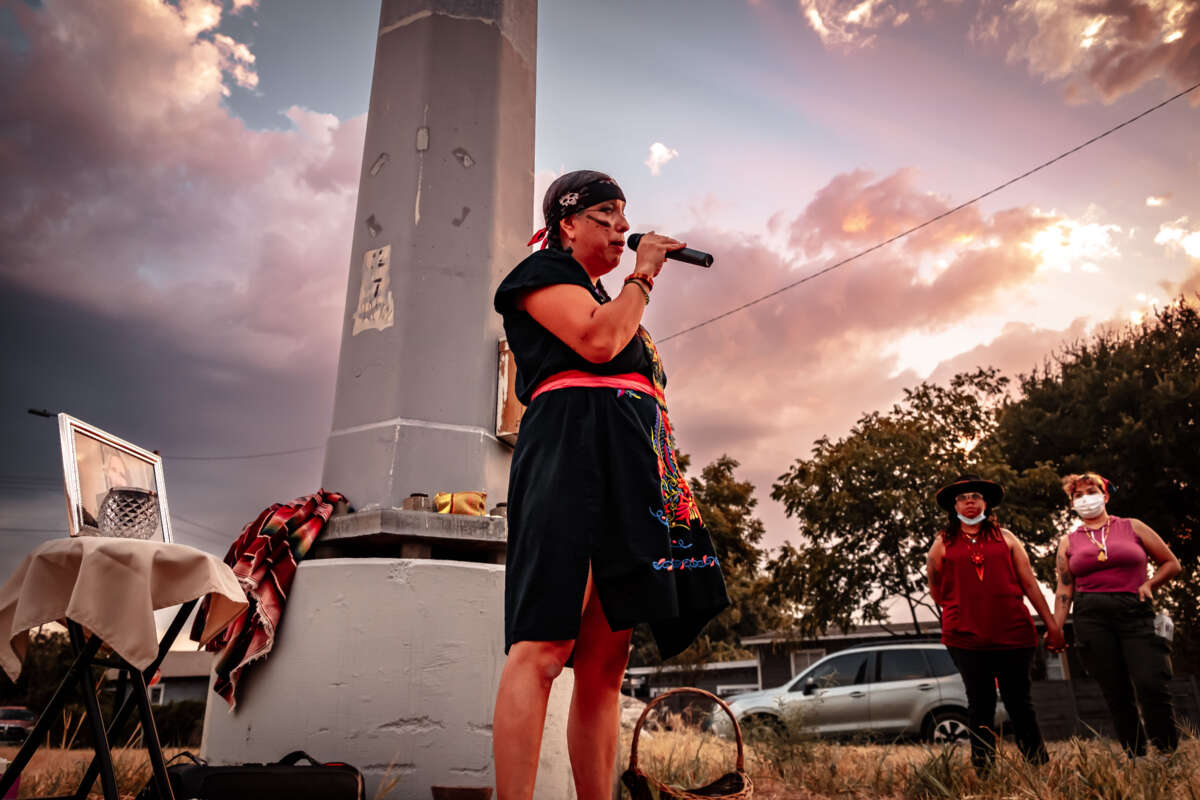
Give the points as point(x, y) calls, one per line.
point(983, 609)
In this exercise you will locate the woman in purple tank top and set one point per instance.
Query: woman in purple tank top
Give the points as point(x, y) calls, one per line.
point(1102, 568)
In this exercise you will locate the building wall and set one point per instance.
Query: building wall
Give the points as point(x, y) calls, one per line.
point(391, 665)
point(717, 681)
point(1077, 708)
point(775, 664)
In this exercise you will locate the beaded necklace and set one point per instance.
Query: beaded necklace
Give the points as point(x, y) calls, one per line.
point(975, 552)
point(1102, 545)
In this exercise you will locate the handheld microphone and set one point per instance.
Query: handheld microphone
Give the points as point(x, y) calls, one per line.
point(687, 255)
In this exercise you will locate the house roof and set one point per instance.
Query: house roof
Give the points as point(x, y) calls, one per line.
point(187, 664)
point(182, 664)
point(861, 632)
point(750, 663)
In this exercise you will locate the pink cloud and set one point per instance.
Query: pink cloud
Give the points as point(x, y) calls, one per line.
point(1111, 46)
point(135, 193)
point(851, 211)
point(1105, 47)
point(1018, 349)
point(853, 23)
point(764, 383)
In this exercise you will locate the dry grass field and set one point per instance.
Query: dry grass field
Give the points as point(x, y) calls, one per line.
point(813, 770)
point(54, 771)
point(808, 770)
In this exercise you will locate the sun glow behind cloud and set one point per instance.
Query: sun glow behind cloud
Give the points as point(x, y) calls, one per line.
point(660, 154)
point(1177, 236)
point(1068, 244)
point(1089, 34)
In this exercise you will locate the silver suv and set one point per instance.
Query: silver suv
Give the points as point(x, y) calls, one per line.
point(889, 690)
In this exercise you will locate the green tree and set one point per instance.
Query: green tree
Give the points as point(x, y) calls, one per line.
point(727, 506)
point(47, 660)
point(865, 509)
point(1126, 403)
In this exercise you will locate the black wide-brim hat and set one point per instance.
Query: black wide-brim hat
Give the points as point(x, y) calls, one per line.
point(993, 493)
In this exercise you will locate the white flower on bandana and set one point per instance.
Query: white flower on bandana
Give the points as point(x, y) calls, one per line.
point(569, 199)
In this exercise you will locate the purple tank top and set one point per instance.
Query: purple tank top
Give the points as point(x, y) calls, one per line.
point(1123, 571)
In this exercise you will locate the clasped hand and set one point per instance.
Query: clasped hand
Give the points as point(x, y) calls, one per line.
point(652, 253)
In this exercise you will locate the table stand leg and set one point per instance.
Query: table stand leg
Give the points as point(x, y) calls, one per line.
point(125, 705)
point(150, 737)
point(108, 778)
point(79, 667)
point(80, 676)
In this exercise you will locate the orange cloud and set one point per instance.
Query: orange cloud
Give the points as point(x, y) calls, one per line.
point(1113, 47)
point(851, 211)
point(764, 383)
point(1106, 47)
point(853, 23)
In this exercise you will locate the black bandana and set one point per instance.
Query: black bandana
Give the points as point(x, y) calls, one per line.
point(576, 200)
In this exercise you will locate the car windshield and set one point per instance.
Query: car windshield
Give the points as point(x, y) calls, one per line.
point(23, 714)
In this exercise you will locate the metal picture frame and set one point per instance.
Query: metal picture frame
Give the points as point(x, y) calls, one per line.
point(113, 487)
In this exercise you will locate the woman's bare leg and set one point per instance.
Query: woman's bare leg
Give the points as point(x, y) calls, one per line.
point(600, 659)
point(520, 714)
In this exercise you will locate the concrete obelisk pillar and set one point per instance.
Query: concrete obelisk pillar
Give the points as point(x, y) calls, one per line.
point(391, 663)
point(443, 213)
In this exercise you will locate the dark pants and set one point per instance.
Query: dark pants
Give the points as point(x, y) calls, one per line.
point(981, 671)
point(1114, 632)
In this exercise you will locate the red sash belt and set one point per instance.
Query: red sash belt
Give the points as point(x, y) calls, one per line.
point(574, 377)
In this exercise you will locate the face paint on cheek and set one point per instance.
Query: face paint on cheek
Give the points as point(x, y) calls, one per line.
point(600, 222)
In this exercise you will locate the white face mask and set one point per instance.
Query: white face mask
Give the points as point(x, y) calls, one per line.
point(1089, 506)
point(973, 520)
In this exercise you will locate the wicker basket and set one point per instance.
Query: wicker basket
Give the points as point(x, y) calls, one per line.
point(129, 512)
point(734, 785)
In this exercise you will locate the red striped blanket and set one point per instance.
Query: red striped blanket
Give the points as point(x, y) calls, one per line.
point(264, 559)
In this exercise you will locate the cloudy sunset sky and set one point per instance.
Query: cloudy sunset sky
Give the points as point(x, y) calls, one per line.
point(178, 184)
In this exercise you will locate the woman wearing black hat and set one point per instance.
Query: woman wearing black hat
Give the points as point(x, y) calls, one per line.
point(979, 575)
point(603, 530)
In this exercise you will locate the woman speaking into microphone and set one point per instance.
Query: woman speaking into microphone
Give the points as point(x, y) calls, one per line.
point(603, 530)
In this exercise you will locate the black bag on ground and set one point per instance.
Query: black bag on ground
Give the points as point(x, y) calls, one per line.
point(285, 778)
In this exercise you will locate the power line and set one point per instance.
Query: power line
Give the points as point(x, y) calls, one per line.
point(930, 221)
point(33, 530)
point(223, 534)
point(242, 457)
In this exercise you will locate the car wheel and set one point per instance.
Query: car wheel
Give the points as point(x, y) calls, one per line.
point(948, 727)
point(762, 728)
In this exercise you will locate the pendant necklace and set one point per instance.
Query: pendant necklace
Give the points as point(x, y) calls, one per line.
point(1102, 545)
point(975, 553)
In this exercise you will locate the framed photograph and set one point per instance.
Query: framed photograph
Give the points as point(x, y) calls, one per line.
point(114, 488)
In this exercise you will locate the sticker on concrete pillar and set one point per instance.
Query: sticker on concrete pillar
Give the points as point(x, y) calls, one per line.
point(376, 309)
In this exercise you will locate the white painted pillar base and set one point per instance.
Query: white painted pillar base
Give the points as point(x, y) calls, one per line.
point(390, 665)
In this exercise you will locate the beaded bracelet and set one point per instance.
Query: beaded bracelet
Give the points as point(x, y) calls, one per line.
point(641, 288)
point(634, 276)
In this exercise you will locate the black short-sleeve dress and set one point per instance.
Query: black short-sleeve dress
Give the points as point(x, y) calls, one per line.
point(594, 480)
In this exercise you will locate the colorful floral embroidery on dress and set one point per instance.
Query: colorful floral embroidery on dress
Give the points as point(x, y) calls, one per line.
point(680, 509)
point(671, 564)
point(658, 376)
point(680, 506)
